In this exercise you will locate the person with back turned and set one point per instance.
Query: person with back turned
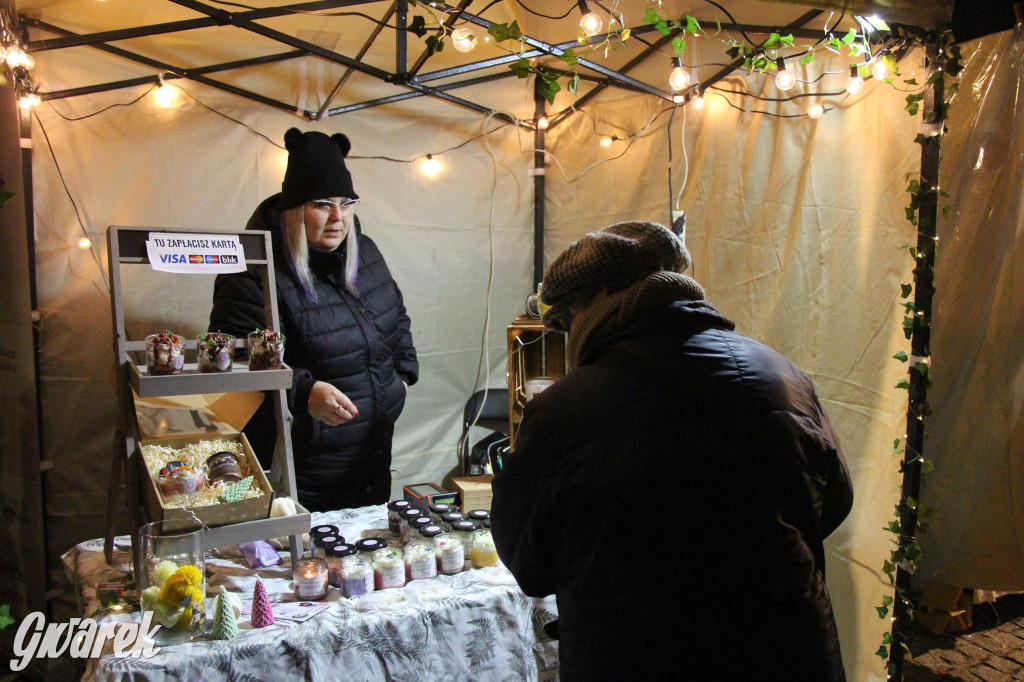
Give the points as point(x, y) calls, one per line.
point(673, 489)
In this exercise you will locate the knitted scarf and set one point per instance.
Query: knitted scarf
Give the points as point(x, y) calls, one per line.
point(607, 314)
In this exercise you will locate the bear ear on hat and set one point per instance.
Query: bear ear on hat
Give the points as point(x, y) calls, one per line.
point(343, 143)
point(293, 139)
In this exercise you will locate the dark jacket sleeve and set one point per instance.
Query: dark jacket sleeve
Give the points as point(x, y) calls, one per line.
point(522, 523)
point(403, 351)
point(837, 500)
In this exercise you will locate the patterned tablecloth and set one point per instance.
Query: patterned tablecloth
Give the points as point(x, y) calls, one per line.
point(477, 625)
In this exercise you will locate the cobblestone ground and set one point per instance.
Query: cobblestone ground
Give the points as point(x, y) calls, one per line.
point(992, 650)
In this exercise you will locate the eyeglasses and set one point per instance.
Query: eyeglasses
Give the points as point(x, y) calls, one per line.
point(326, 204)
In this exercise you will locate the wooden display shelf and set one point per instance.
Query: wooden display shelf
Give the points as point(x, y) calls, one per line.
point(192, 381)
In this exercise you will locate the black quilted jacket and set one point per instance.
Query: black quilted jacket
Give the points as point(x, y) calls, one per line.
point(673, 493)
point(363, 346)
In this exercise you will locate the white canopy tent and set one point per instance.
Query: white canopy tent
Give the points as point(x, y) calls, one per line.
point(796, 225)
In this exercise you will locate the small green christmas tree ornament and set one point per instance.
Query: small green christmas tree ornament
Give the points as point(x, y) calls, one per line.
point(225, 625)
point(237, 491)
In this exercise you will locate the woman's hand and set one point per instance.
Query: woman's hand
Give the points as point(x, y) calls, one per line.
point(329, 405)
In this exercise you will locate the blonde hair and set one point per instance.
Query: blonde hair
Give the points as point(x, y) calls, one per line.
point(296, 251)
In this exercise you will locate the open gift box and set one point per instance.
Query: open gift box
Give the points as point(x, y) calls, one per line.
point(180, 421)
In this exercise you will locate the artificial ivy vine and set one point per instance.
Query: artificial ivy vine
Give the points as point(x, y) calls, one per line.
point(911, 518)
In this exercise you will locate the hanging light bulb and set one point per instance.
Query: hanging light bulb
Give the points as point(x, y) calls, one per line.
point(84, 243)
point(29, 100)
point(17, 57)
point(698, 101)
point(854, 83)
point(679, 79)
point(430, 166)
point(590, 22)
point(815, 111)
point(606, 141)
point(165, 95)
point(784, 79)
point(542, 123)
point(463, 39)
point(878, 69)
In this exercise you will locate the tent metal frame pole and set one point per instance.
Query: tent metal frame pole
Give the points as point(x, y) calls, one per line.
point(449, 20)
point(359, 55)
point(416, 93)
point(920, 346)
point(539, 187)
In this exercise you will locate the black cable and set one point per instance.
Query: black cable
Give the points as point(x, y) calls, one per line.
point(766, 113)
point(733, 20)
point(775, 99)
point(74, 205)
point(96, 113)
point(546, 16)
point(235, 120)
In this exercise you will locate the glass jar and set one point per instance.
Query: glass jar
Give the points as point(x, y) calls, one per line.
point(335, 553)
point(420, 563)
point(448, 518)
point(215, 352)
point(427, 533)
point(165, 353)
point(481, 516)
point(396, 507)
point(356, 576)
point(388, 568)
point(416, 524)
point(449, 553)
point(484, 552)
point(266, 349)
point(367, 546)
point(323, 529)
point(223, 466)
point(321, 544)
point(172, 581)
point(405, 516)
point(310, 578)
point(439, 508)
point(464, 530)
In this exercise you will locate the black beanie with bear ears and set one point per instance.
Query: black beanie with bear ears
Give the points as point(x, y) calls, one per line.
point(316, 168)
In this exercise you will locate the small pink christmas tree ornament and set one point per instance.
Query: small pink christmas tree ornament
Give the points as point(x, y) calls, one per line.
point(262, 615)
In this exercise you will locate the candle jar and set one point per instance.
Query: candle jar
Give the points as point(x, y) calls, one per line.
point(266, 349)
point(449, 553)
point(439, 508)
point(165, 353)
point(310, 578)
point(367, 546)
point(464, 530)
point(223, 466)
point(388, 568)
point(171, 580)
point(323, 529)
point(449, 518)
point(395, 508)
point(406, 516)
point(420, 561)
point(484, 553)
point(482, 517)
point(321, 544)
point(335, 553)
point(356, 576)
point(420, 522)
point(215, 352)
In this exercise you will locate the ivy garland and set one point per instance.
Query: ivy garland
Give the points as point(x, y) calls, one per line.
point(911, 518)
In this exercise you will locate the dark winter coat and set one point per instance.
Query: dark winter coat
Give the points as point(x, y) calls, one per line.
point(363, 346)
point(674, 492)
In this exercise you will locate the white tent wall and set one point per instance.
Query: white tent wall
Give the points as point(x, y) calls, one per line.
point(976, 536)
point(796, 229)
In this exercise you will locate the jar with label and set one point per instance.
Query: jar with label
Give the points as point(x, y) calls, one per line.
point(420, 563)
point(367, 546)
point(464, 530)
point(416, 524)
point(396, 507)
point(223, 466)
point(323, 529)
point(407, 515)
point(321, 544)
point(484, 552)
point(335, 553)
point(356, 576)
point(426, 533)
point(449, 554)
point(439, 508)
point(480, 516)
point(448, 518)
point(388, 568)
point(310, 578)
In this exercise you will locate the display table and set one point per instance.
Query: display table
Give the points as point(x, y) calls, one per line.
point(475, 625)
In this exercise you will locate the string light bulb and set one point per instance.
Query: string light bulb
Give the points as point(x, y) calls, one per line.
point(17, 57)
point(854, 83)
point(463, 40)
point(542, 123)
point(29, 100)
point(590, 22)
point(606, 141)
point(784, 79)
point(430, 166)
point(165, 95)
point(815, 111)
point(679, 79)
point(84, 243)
point(698, 101)
point(879, 70)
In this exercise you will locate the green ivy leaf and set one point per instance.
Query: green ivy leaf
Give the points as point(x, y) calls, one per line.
point(882, 611)
point(418, 26)
point(574, 84)
point(906, 289)
point(503, 32)
point(945, 209)
point(692, 25)
point(893, 527)
point(663, 26)
point(549, 87)
point(835, 44)
point(882, 652)
point(569, 57)
point(886, 600)
point(888, 567)
point(807, 58)
point(5, 196)
point(652, 15)
point(5, 616)
point(678, 45)
point(521, 67)
point(761, 63)
point(734, 50)
point(902, 357)
point(773, 42)
point(903, 383)
point(921, 367)
point(434, 44)
point(850, 37)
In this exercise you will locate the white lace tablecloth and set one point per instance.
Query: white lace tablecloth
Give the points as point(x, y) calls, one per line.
point(477, 625)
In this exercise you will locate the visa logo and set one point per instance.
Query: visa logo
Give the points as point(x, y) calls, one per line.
point(172, 258)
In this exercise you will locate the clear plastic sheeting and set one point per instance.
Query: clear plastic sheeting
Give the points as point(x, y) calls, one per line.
point(975, 436)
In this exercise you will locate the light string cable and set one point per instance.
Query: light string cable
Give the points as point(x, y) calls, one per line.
point(686, 158)
point(74, 205)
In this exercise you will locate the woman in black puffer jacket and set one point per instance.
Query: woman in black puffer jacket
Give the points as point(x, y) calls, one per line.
point(347, 333)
